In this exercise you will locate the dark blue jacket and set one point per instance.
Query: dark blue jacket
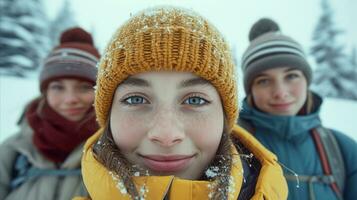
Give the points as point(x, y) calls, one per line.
point(289, 138)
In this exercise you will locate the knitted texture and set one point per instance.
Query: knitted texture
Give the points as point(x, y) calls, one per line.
point(167, 39)
point(270, 49)
point(74, 57)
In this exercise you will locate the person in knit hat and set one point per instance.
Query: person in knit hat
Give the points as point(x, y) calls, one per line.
point(166, 102)
point(42, 161)
point(283, 114)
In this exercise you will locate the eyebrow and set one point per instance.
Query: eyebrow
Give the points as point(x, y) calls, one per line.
point(193, 82)
point(261, 75)
point(185, 83)
point(291, 69)
point(136, 82)
point(286, 70)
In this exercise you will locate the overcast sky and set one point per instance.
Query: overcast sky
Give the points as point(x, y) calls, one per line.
point(233, 18)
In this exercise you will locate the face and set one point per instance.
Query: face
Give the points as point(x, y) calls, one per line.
point(168, 123)
point(280, 91)
point(71, 98)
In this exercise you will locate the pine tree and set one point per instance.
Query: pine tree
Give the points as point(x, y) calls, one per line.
point(23, 36)
point(354, 70)
point(354, 58)
point(333, 76)
point(65, 19)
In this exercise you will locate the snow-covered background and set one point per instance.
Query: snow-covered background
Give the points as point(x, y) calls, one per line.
point(296, 18)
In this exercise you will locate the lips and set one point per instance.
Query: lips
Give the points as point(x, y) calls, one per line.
point(281, 106)
point(74, 111)
point(170, 163)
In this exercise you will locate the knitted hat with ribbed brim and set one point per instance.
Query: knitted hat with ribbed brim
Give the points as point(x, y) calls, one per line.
point(270, 49)
point(166, 39)
point(74, 57)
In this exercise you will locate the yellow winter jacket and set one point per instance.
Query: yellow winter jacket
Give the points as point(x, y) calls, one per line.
point(102, 184)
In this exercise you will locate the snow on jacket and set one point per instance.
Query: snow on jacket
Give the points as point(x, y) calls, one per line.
point(102, 184)
point(289, 138)
point(44, 187)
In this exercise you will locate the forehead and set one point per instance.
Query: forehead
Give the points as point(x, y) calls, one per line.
point(180, 79)
point(164, 74)
point(68, 81)
point(277, 70)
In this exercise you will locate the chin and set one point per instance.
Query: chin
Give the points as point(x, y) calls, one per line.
point(73, 119)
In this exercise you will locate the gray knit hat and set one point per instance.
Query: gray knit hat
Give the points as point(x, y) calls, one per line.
point(270, 49)
point(74, 57)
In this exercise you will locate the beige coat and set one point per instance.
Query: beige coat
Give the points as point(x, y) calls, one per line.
point(44, 187)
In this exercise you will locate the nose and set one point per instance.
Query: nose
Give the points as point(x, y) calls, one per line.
point(280, 91)
point(71, 97)
point(166, 130)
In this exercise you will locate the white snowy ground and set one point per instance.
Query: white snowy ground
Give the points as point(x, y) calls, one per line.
point(15, 93)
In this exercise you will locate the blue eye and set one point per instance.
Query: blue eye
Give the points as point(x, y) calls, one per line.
point(56, 87)
point(85, 88)
point(292, 76)
point(135, 100)
point(196, 101)
point(262, 81)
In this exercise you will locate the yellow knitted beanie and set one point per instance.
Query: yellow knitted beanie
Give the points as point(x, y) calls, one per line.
point(167, 39)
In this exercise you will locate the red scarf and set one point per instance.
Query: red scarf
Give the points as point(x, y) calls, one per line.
point(54, 136)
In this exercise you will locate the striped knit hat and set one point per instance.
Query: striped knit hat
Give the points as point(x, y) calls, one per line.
point(270, 49)
point(167, 39)
point(75, 57)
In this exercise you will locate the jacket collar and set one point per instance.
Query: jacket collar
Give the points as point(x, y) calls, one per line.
point(102, 184)
point(271, 183)
point(285, 127)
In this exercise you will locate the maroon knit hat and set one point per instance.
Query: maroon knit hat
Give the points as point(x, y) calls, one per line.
point(74, 57)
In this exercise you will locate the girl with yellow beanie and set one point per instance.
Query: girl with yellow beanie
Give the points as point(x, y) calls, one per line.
point(166, 101)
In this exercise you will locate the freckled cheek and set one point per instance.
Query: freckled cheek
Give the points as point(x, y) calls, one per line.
point(89, 99)
point(128, 131)
point(55, 104)
point(205, 132)
point(53, 100)
point(261, 98)
point(300, 89)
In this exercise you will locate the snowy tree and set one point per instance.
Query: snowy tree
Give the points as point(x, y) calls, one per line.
point(354, 66)
point(354, 58)
point(23, 36)
point(65, 19)
point(334, 75)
